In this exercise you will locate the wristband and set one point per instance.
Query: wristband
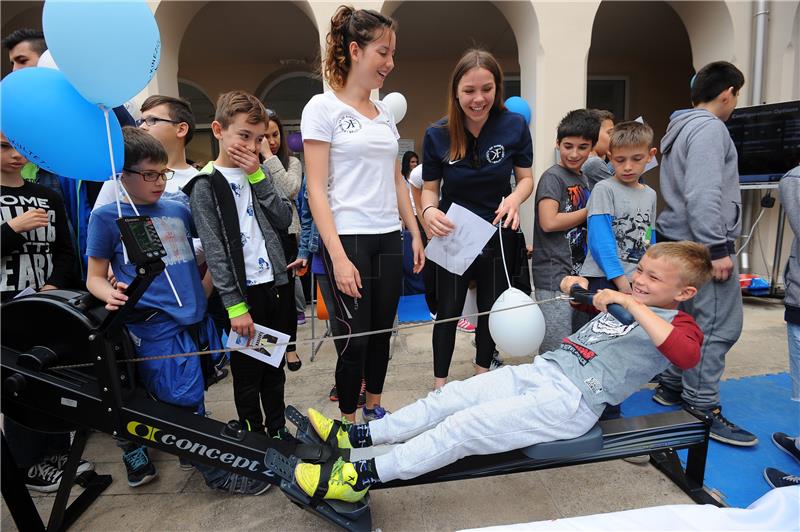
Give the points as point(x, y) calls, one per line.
point(237, 310)
point(256, 176)
point(428, 207)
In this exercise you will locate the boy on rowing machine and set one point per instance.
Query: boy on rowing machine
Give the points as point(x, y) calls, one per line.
point(559, 396)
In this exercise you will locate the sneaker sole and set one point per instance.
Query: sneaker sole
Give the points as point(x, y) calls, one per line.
point(784, 449)
point(663, 402)
point(146, 479)
point(261, 491)
point(737, 443)
point(43, 489)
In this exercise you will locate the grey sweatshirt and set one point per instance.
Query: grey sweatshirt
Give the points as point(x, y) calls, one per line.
point(790, 198)
point(700, 182)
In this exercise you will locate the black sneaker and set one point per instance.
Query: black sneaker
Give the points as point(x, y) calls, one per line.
point(779, 479)
point(140, 470)
point(362, 395)
point(43, 477)
point(60, 460)
point(284, 435)
point(242, 485)
point(722, 429)
point(666, 396)
point(786, 444)
point(333, 395)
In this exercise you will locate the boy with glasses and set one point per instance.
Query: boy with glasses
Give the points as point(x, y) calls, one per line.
point(159, 324)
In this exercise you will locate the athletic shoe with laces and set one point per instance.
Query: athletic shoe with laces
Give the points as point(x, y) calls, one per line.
point(778, 479)
point(60, 461)
point(340, 485)
point(666, 396)
point(237, 484)
point(140, 469)
point(371, 414)
point(465, 326)
point(301, 318)
point(722, 429)
point(333, 395)
point(323, 426)
point(786, 444)
point(43, 477)
point(495, 363)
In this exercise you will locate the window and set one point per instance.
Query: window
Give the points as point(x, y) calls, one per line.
point(609, 93)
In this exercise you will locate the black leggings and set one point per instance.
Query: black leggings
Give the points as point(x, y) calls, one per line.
point(379, 260)
point(451, 292)
point(256, 384)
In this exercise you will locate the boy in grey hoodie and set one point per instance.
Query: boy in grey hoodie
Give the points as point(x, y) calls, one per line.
point(700, 190)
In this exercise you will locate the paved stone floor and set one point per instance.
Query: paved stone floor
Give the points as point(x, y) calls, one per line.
point(180, 500)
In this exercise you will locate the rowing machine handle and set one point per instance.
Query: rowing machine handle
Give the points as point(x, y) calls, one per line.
point(581, 295)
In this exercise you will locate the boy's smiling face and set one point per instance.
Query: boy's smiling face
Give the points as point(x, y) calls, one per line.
point(657, 283)
point(239, 133)
point(573, 152)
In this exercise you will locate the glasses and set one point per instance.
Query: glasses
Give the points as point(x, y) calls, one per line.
point(153, 120)
point(152, 175)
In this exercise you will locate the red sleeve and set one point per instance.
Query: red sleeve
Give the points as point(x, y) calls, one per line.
point(682, 346)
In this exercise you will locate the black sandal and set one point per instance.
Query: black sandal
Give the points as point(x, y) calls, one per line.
point(294, 366)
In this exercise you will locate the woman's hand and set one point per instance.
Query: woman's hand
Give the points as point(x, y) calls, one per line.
point(438, 223)
point(419, 253)
point(509, 208)
point(348, 280)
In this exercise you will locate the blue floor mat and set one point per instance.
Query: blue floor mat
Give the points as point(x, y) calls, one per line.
point(759, 404)
point(413, 308)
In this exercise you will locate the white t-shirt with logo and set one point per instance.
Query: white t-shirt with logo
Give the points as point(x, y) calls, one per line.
point(258, 268)
point(361, 166)
point(172, 191)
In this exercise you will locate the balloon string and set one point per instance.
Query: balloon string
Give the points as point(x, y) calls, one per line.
point(502, 251)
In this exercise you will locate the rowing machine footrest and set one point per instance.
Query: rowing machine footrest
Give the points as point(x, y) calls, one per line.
point(589, 442)
point(305, 432)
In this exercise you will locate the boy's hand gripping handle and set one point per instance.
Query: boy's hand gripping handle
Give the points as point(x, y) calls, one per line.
point(581, 295)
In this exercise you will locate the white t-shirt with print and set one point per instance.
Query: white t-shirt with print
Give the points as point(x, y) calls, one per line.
point(257, 267)
point(361, 166)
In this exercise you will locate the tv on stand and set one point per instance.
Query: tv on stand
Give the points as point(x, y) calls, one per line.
point(767, 140)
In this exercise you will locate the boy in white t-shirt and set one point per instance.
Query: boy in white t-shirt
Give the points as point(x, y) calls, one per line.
point(238, 213)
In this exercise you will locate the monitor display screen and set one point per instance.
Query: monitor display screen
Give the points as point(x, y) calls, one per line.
point(767, 139)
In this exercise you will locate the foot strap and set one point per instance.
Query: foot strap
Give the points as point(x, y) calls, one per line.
point(322, 485)
point(333, 439)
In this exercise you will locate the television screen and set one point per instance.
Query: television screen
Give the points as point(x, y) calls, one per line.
point(767, 139)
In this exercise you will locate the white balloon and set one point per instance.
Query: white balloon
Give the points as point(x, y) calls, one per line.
point(397, 104)
point(520, 331)
point(46, 61)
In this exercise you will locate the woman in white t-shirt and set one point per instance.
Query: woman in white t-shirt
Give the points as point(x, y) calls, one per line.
point(357, 195)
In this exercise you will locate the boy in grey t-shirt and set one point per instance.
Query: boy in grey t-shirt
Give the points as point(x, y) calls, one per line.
point(559, 396)
point(621, 211)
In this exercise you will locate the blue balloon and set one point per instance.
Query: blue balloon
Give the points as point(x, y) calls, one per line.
point(47, 121)
point(518, 105)
point(108, 50)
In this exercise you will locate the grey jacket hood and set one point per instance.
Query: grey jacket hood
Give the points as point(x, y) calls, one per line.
point(681, 119)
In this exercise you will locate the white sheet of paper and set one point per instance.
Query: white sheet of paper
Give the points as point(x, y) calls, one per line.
point(28, 291)
point(457, 251)
point(653, 162)
point(263, 346)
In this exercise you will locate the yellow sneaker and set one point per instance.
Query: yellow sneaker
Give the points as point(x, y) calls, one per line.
point(340, 485)
point(323, 426)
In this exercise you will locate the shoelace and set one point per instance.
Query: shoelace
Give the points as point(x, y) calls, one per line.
point(47, 472)
point(722, 419)
point(791, 478)
point(136, 459)
point(338, 476)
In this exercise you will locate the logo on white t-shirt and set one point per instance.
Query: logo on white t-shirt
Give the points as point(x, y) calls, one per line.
point(496, 153)
point(348, 124)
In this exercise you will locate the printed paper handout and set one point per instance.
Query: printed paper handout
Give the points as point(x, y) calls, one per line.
point(262, 347)
point(457, 251)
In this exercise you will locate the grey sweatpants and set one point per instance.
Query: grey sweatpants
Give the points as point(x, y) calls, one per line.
point(494, 412)
point(717, 309)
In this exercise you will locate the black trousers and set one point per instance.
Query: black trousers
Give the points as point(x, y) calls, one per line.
point(451, 292)
point(379, 260)
point(258, 385)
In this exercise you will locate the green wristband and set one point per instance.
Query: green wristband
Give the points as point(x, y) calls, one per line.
point(257, 176)
point(237, 310)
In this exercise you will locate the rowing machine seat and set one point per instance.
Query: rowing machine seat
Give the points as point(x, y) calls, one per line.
point(589, 442)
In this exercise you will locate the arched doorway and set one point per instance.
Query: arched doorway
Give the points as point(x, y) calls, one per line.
point(288, 93)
